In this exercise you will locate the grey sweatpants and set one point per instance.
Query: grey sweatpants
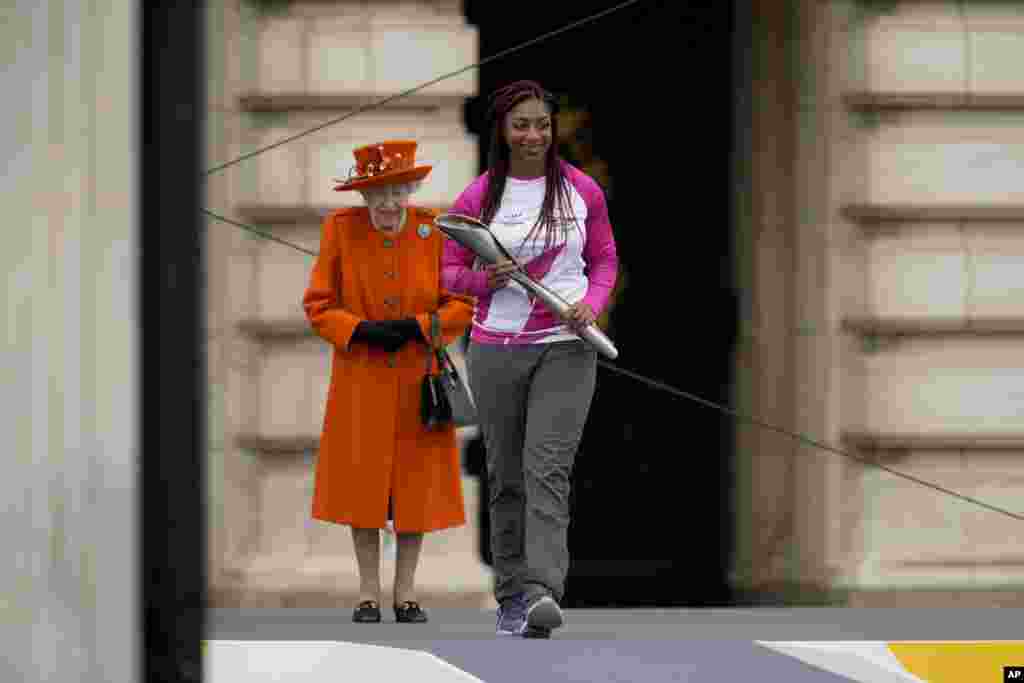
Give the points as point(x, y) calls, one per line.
point(532, 403)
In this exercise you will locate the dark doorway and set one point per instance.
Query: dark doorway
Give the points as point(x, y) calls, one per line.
point(173, 374)
point(652, 520)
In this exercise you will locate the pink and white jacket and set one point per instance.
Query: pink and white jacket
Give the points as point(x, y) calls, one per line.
point(580, 266)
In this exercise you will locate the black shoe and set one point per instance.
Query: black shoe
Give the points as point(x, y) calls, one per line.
point(409, 612)
point(542, 617)
point(367, 612)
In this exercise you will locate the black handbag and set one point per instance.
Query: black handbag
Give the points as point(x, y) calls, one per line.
point(445, 397)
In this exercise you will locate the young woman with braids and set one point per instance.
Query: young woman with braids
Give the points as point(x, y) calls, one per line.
point(531, 374)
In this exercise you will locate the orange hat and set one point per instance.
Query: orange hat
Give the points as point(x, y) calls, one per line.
point(384, 163)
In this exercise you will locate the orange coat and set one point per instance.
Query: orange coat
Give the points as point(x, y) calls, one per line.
point(373, 443)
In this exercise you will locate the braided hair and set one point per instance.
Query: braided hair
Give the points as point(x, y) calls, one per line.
point(556, 186)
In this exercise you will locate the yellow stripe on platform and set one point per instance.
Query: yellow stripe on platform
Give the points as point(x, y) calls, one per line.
point(959, 661)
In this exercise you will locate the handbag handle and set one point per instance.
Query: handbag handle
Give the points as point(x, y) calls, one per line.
point(435, 342)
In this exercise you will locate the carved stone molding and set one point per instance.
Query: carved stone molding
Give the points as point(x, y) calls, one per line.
point(294, 446)
point(882, 101)
point(908, 326)
point(878, 441)
point(299, 101)
point(282, 214)
point(277, 330)
point(917, 213)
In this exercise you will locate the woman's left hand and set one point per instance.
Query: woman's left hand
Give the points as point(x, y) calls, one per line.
point(579, 316)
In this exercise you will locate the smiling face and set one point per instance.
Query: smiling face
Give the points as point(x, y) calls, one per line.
point(387, 204)
point(528, 134)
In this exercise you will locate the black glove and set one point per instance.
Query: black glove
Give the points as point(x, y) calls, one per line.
point(378, 334)
point(389, 335)
point(408, 328)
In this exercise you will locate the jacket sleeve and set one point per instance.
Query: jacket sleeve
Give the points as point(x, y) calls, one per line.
point(323, 295)
point(599, 253)
point(457, 274)
point(455, 311)
point(457, 271)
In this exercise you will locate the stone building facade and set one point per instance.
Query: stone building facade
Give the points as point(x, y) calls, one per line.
point(879, 255)
point(881, 259)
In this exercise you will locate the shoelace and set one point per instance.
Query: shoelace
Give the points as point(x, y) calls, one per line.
point(513, 608)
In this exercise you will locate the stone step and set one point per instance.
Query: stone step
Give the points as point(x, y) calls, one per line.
point(228, 598)
point(442, 581)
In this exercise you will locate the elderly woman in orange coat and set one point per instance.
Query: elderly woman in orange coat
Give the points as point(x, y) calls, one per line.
point(372, 290)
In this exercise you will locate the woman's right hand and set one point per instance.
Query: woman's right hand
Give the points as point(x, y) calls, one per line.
point(499, 274)
point(379, 334)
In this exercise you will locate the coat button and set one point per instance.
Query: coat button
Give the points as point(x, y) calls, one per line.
point(391, 362)
point(391, 300)
point(388, 243)
point(391, 274)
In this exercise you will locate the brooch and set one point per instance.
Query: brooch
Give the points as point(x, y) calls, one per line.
point(423, 231)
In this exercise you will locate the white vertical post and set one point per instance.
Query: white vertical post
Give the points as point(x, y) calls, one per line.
point(69, 253)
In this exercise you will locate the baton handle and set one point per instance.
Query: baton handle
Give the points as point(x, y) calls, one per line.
point(591, 333)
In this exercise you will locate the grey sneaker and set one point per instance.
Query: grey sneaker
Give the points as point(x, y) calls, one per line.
point(542, 617)
point(512, 615)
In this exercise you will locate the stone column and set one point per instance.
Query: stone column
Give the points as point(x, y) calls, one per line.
point(765, 253)
point(69, 582)
point(231, 472)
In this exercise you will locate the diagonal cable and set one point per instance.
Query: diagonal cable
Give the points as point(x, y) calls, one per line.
point(800, 437)
point(640, 378)
point(391, 98)
point(711, 404)
point(254, 231)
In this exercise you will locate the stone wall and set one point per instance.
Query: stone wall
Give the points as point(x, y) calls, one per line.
point(945, 165)
point(883, 254)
